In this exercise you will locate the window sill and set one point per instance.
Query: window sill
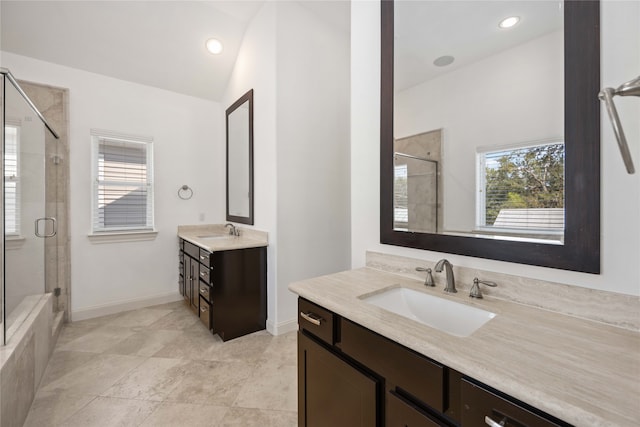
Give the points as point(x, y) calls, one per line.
point(122, 236)
point(13, 242)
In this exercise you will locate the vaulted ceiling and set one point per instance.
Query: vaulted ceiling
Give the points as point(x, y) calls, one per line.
point(156, 43)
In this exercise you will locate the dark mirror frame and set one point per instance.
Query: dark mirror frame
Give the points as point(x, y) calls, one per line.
point(247, 97)
point(581, 249)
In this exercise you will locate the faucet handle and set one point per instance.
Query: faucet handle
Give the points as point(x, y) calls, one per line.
point(428, 281)
point(475, 289)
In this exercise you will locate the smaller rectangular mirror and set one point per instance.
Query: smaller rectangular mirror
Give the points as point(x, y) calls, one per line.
point(239, 126)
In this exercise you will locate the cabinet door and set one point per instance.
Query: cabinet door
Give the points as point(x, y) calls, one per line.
point(332, 392)
point(482, 407)
point(402, 413)
point(191, 292)
point(187, 278)
point(181, 275)
point(195, 286)
point(239, 291)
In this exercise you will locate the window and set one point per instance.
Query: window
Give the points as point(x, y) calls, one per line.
point(12, 179)
point(400, 196)
point(122, 184)
point(522, 189)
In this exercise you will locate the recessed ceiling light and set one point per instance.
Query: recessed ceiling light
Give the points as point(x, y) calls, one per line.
point(214, 46)
point(509, 22)
point(443, 61)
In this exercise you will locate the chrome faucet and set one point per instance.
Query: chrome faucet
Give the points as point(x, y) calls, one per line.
point(451, 281)
point(233, 231)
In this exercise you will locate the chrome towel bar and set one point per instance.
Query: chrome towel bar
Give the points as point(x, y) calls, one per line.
point(630, 88)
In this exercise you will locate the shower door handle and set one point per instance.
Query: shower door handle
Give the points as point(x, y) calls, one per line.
point(54, 228)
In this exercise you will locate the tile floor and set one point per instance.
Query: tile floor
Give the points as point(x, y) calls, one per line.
point(159, 366)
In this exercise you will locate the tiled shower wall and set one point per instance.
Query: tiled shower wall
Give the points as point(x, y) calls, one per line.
point(53, 103)
point(422, 193)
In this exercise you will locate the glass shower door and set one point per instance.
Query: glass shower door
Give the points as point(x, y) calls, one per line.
point(25, 225)
point(415, 194)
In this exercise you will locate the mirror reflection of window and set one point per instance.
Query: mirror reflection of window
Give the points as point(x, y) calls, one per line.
point(12, 180)
point(521, 190)
point(400, 214)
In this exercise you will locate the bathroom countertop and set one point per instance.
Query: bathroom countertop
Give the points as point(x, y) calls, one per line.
point(584, 372)
point(215, 237)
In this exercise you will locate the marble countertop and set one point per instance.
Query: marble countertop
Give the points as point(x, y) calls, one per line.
point(215, 237)
point(584, 372)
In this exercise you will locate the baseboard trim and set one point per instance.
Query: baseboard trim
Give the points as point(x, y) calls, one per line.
point(282, 327)
point(126, 305)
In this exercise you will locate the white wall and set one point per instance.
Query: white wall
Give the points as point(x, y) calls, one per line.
point(298, 66)
point(620, 23)
point(188, 149)
point(255, 69)
point(313, 150)
point(482, 105)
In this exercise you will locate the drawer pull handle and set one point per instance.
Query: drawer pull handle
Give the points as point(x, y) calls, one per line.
point(203, 273)
point(202, 257)
point(204, 309)
point(490, 422)
point(203, 290)
point(312, 318)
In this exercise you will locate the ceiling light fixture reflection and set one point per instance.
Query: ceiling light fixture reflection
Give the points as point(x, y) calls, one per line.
point(214, 46)
point(509, 22)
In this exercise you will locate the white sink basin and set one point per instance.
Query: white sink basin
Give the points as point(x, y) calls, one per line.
point(451, 317)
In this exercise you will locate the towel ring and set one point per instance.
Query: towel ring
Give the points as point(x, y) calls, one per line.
point(185, 193)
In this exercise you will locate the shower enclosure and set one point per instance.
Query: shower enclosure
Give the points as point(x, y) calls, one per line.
point(415, 193)
point(26, 143)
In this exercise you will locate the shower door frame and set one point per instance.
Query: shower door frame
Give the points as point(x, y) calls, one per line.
point(8, 78)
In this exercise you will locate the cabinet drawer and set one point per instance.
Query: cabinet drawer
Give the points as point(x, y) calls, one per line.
point(205, 313)
point(480, 406)
point(403, 368)
point(317, 320)
point(192, 250)
point(204, 273)
point(204, 257)
point(205, 292)
point(402, 413)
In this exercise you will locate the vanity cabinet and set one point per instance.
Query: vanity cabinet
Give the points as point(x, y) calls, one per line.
point(227, 289)
point(343, 366)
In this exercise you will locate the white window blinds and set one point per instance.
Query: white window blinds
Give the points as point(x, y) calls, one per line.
point(522, 188)
point(12, 179)
point(400, 198)
point(123, 185)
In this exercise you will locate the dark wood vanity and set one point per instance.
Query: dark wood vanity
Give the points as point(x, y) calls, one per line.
point(226, 289)
point(350, 376)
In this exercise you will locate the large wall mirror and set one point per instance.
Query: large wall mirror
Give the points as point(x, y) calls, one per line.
point(240, 160)
point(490, 132)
